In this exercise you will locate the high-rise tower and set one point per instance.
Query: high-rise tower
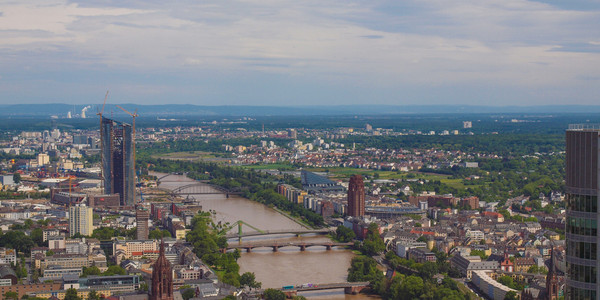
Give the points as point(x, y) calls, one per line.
point(141, 219)
point(356, 197)
point(582, 189)
point(81, 220)
point(117, 160)
point(162, 277)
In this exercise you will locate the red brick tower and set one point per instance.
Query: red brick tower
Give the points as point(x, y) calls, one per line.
point(356, 197)
point(162, 277)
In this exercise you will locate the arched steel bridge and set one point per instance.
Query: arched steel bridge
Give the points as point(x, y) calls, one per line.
point(275, 246)
point(200, 188)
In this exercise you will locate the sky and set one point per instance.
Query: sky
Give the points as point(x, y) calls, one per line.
point(266, 52)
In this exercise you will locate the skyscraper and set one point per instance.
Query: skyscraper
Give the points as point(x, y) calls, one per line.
point(582, 212)
point(162, 277)
point(141, 219)
point(356, 197)
point(81, 220)
point(117, 160)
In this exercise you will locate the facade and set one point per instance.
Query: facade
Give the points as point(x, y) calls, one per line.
point(162, 277)
point(81, 220)
point(490, 287)
point(8, 256)
point(141, 219)
point(117, 160)
point(583, 276)
point(65, 261)
point(356, 197)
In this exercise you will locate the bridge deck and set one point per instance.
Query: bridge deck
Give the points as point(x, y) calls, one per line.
point(269, 232)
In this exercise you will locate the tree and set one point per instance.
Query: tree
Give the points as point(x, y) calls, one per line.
point(114, 270)
point(93, 270)
point(28, 223)
point(188, 294)
point(157, 234)
point(93, 295)
point(11, 295)
point(512, 295)
point(373, 243)
point(17, 178)
point(37, 235)
point(249, 279)
point(344, 234)
point(71, 294)
point(273, 294)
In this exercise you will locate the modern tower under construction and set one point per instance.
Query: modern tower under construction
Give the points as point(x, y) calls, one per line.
point(118, 173)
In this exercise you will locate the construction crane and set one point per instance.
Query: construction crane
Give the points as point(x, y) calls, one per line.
point(133, 116)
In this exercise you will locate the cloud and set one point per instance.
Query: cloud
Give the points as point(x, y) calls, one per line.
point(513, 44)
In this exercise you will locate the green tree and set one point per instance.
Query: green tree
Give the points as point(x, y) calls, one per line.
point(273, 294)
point(11, 295)
point(344, 234)
point(114, 270)
point(157, 234)
point(249, 279)
point(512, 295)
point(28, 223)
point(188, 294)
point(93, 295)
point(90, 271)
point(37, 236)
point(373, 243)
point(71, 294)
point(17, 178)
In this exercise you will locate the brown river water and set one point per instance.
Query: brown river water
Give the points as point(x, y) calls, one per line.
point(288, 266)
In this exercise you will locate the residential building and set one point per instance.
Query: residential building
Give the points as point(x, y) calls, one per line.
point(81, 220)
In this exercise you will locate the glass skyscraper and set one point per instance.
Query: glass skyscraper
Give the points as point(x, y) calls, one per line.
point(582, 191)
point(117, 160)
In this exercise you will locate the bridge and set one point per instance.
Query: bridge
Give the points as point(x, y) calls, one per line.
point(200, 188)
point(269, 232)
point(349, 288)
point(275, 245)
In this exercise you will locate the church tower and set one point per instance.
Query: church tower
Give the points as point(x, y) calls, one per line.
point(552, 279)
point(162, 277)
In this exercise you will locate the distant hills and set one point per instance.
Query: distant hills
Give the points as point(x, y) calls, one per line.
point(60, 110)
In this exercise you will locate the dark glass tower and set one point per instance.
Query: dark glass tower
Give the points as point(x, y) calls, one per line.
point(117, 160)
point(582, 212)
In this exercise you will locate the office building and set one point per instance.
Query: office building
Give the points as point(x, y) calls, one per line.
point(582, 212)
point(356, 197)
point(81, 220)
point(141, 219)
point(118, 160)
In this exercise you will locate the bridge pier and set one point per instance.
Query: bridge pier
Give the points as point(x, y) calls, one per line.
point(248, 250)
point(275, 248)
point(353, 290)
point(303, 247)
point(291, 294)
point(328, 247)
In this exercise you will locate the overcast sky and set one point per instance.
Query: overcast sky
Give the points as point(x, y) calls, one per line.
point(265, 52)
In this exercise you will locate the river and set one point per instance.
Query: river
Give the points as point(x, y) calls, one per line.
point(288, 266)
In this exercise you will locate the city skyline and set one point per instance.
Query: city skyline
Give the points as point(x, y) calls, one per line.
point(289, 53)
